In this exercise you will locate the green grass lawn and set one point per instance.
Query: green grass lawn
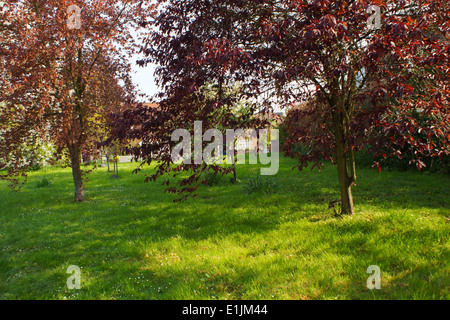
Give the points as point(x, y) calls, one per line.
point(132, 242)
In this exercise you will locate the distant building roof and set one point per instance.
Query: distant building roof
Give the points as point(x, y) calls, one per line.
point(151, 105)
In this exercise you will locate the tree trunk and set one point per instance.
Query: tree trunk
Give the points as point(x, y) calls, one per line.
point(101, 157)
point(234, 172)
point(346, 182)
point(77, 176)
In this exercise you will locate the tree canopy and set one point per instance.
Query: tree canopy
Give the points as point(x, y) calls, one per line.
point(63, 65)
point(366, 82)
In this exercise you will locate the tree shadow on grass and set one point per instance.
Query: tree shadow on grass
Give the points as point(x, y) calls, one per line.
point(110, 231)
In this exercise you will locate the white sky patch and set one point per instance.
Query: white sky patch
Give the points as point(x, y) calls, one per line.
point(143, 77)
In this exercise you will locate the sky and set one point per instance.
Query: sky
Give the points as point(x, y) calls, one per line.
point(143, 78)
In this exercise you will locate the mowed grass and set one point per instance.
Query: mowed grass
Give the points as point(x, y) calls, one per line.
point(132, 242)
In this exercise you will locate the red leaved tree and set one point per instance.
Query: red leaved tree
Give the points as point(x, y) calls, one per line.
point(367, 73)
point(204, 77)
point(368, 80)
point(63, 65)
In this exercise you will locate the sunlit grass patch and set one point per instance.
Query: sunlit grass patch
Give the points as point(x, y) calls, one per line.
point(133, 242)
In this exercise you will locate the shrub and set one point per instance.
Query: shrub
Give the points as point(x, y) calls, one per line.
point(260, 184)
point(43, 183)
point(35, 167)
point(434, 165)
point(212, 178)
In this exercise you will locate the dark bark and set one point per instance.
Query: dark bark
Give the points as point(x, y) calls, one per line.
point(234, 179)
point(345, 181)
point(77, 175)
